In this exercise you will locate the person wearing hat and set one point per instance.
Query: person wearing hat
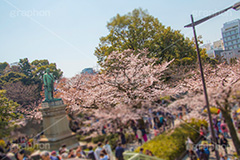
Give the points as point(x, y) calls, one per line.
point(54, 156)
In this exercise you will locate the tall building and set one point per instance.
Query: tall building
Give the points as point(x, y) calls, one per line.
point(88, 71)
point(231, 34)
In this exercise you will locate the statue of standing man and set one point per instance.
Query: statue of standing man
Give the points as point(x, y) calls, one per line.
point(48, 81)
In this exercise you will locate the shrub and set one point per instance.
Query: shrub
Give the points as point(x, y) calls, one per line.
point(170, 145)
point(81, 137)
point(99, 138)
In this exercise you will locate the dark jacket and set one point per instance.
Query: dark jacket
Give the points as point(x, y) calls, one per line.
point(91, 155)
point(119, 152)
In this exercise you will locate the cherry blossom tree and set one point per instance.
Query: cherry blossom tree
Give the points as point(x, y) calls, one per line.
point(222, 82)
point(128, 85)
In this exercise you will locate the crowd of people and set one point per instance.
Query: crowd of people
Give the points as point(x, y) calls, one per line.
point(207, 146)
point(157, 121)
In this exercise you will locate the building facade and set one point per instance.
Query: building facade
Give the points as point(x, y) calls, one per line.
point(227, 55)
point(218, 45)
point(213, 53)
point(231, 34)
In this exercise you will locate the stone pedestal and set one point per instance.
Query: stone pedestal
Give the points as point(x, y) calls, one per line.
point(56, 127)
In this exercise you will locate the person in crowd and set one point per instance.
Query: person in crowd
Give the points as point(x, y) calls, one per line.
point(197, 151)
point(203, 131)
point(122, 138)
point(71, 153)
point(192, 155)
point(8, 146)
point(144, 134)
point(108, 149)
point(156, 131)
point(98, 150)
point(119, 152)
point(45, 155)
point(204, 142)
point(203, 155)
point(226, 157)
point(139, 135)
point(158, 123)
point(2, 155)
point(207, 152)
point(161, 119)
point(173, 117)
point(104, 155)
point(219, 125)
point(141, 150)
point(168, 121)
point(147, 152)
point(235, 118)
point(223, 143)
point(221, 156)
point(212, 144)
point(103, 130)
point(80, 153)
point(63, 149)
point(150, 153)
point(91, 154)
point(189, 144)
point(13, 151)
point(224, 129)
point(21, 155)
point(54, 156)
point(64, 156)
point(147, 125)
point(134, 128)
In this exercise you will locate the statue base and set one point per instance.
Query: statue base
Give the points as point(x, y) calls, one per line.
point(56, 127)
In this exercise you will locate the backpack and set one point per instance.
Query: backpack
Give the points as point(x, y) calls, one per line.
point(91, 156)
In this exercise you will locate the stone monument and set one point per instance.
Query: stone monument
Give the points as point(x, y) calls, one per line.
point(55, 123)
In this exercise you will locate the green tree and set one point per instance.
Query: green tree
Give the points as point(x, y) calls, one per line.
point(7, 114)
point(40, 66)
point(13, 77)
point(25, 67)
point(139, 30)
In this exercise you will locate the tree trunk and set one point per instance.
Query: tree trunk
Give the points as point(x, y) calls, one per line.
point(232, 131)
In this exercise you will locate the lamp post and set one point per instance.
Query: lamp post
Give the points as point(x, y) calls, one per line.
point(236, 7)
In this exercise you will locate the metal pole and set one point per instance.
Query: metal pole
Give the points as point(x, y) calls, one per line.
point(205, 89)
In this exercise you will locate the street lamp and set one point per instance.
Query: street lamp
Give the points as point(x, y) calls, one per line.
point(236, 7)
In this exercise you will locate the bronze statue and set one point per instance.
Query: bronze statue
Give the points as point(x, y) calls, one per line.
point(48, 81)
